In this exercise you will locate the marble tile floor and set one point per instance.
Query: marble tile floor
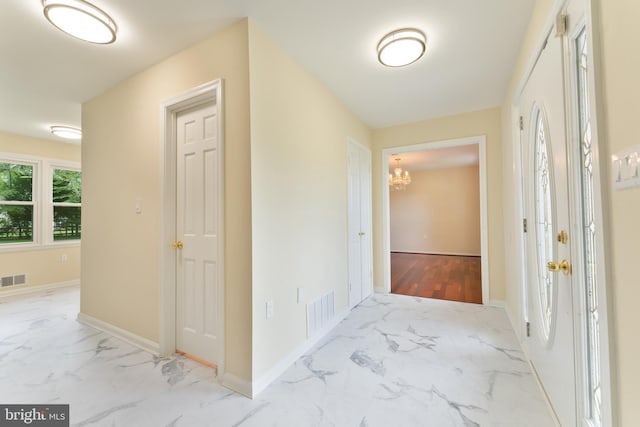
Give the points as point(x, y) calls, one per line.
point(394, 361)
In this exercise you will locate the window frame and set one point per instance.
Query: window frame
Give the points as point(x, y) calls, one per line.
point(42, 202)
point(50, 204)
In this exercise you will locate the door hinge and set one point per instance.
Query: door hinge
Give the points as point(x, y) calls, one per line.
point(562, 22)
point(528, 329)
point(521, 123)
point(524, 225)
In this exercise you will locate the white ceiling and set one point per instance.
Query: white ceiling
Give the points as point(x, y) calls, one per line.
point(472, 45)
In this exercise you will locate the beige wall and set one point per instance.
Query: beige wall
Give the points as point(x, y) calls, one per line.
point(19, 144)
point(121, 159)
point(485, 122)
point(438, 213)
point(615, 37)
point(299, 196)
point(43, 266)
point(619, 33)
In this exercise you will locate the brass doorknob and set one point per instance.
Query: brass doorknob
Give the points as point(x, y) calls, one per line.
point(177, 245)
point(555, 267)
point(361, 233)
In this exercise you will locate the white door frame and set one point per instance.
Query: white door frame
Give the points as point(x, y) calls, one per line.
point(208, 92)
point(480, 141)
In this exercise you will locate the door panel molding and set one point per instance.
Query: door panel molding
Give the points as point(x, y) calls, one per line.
point(169, 109)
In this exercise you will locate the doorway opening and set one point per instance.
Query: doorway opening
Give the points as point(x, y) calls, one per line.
point(435, 229)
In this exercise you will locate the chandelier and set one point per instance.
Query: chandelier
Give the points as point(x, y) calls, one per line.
point(398, 180)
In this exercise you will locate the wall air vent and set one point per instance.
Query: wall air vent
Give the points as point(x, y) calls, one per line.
point(320, 312)
point(18, 279)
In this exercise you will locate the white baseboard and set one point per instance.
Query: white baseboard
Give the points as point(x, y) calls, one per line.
point(272, 374)
point(30, 289)
point(497, 303)
point(434, 253)
point(126, 336)
point(514, 324)
point(237, 384)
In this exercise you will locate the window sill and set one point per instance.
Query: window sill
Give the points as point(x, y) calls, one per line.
point(32, 247)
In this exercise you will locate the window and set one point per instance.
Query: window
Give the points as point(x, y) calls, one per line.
point(589, 231)
point(544, 223)
point(16, 203)
point(40, 202)
point(66, 196)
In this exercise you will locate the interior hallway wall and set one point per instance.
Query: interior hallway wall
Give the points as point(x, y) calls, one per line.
point(121, 161)
point(299, 134)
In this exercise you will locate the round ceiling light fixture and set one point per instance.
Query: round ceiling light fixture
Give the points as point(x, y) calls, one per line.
point(81, 20)
point(402, 47)
point(66, 132)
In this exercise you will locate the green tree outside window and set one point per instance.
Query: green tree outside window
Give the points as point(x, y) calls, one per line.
point(16, 203)
point(66, 197)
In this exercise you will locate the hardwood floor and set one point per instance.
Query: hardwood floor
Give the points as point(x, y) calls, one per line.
point(449, 277)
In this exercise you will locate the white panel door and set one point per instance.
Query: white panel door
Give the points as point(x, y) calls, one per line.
point(549, 287)
point(359, 227)
point(198, 199)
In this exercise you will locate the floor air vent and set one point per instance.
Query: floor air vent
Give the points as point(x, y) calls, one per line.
point(320, 312)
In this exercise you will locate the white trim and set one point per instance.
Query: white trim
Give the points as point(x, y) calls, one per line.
point(434, 253)
point(544, 394)
point(31, 247)
point(121, 334)
point(479, 140)
point(512, 320)
point(498, 303)
point(279, 368)
point(169, 108)
point(32, 289)
point(236, 384)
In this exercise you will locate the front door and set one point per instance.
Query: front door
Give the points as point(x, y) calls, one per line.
point(549, 285)
point(197, 223)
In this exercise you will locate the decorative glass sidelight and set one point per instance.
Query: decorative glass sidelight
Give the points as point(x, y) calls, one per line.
point(544, 224)
point(589, 233)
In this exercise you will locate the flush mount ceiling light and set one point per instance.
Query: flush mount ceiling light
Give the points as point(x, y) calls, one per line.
point(401, 47)
point(66, 132)
point(81, 20)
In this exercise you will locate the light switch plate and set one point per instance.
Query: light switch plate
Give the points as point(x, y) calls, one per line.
point(625, 168)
